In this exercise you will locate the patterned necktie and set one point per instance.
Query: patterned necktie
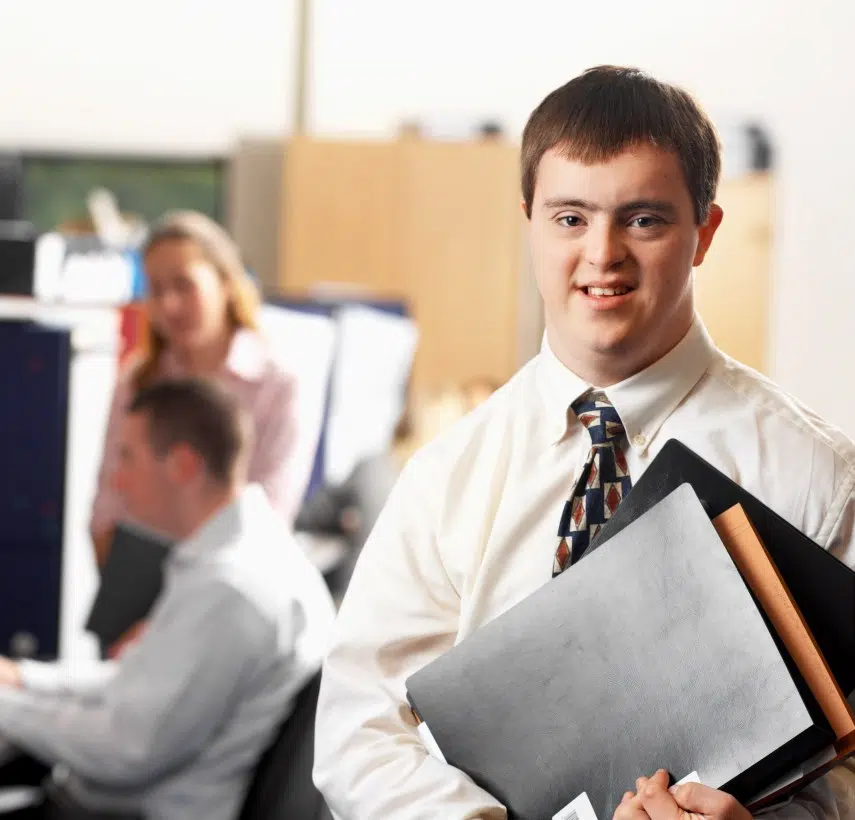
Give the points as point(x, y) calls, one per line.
point(603, 482)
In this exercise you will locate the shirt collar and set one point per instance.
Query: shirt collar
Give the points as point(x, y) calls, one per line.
point(246, 358)
point(224, 527)
point(643, 401)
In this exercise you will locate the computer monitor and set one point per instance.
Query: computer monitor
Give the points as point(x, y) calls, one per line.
point(56, 186)
point(11, 188)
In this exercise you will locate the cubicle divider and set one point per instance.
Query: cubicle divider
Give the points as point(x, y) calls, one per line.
point(365, 376)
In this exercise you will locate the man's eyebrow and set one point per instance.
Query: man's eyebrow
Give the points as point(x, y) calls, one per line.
point(660, 206)
point(564, 202)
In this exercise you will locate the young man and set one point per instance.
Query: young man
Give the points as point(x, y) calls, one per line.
point(619, 175)
point(175, 728)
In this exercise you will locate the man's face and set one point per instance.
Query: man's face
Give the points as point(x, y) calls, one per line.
point(613, 247)
point(141, 478)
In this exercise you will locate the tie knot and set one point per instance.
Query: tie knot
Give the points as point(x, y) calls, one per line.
point(599, 416)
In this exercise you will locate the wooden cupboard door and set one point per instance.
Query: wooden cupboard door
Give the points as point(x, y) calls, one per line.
point(733, 286)
point(462, 258)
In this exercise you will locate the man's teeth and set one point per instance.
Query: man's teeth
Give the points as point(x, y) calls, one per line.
point(607, 291)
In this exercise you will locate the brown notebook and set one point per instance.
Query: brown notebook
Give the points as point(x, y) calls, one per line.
point(762, 576)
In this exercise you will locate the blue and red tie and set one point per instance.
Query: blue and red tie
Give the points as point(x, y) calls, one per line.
point(603, 482)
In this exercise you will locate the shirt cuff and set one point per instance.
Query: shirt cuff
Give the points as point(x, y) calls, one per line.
point(37, 676)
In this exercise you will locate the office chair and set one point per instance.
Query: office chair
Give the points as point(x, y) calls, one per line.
point(282, 787)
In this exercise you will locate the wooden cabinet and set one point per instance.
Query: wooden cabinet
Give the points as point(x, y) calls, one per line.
point(733, 287)
point(438, 224)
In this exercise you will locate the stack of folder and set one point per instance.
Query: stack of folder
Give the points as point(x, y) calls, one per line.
point(700, 633)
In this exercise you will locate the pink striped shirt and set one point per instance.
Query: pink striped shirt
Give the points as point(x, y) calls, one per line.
point(265, 391)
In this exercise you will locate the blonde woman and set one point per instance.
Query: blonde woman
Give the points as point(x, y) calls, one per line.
point(202, 310)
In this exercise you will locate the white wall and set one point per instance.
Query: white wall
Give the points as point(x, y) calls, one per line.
point(198, 73)
point(177, 76)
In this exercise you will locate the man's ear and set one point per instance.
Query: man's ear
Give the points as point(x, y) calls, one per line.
point(706, 232)
point(183, 464)
point(525, 210)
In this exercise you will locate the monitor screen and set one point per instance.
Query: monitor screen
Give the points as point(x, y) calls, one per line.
point(56, 186)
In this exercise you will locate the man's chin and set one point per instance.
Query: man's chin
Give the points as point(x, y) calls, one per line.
point(611, 344)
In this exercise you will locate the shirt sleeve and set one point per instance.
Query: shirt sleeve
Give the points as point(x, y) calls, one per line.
point(838, 530)
point(276, 429)
point(67, 678)
point(170, 694)
point(400, 611)
point(107, 506)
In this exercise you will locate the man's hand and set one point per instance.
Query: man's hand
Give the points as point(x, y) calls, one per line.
point(691, 801)
point(10, 673)
point(631, 807)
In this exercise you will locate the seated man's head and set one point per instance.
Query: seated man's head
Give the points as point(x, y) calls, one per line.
point(182, 454)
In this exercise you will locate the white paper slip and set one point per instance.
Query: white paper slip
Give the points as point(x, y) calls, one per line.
point(578, 809)
point(429, 742)
point(15, 798)
point(692, 777)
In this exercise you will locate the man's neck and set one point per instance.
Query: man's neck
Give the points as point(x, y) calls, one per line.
point(606, 370)
point(199, 511)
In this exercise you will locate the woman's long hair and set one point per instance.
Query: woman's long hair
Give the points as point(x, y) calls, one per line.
point(220, 250)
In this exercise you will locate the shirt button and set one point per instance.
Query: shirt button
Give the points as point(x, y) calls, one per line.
point(639, 440)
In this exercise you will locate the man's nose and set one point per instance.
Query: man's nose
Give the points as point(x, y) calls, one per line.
point(604, 246)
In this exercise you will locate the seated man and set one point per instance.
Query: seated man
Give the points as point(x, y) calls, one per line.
point(175, 727)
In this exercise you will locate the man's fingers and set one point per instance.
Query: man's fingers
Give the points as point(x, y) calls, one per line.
point(662, 778)
point(630, 808)
point(658, 802)
point(695, 797)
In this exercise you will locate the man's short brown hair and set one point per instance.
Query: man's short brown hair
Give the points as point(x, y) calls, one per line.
point(608, 109)
point(200, 414)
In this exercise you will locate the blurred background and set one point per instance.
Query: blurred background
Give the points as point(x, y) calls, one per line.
point(364, 157)
point(187, 102)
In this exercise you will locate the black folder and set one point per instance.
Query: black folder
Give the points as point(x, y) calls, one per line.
point(130, 583)
point(822, 586)
point(648, 653)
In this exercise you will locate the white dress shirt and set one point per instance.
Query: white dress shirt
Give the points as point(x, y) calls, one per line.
point(175, 727)
point(470, 530)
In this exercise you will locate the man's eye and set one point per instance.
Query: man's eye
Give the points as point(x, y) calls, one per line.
point(570, 221)
point(645, 221)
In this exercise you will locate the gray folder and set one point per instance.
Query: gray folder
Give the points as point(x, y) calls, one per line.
point(822, 586)
point(648, 653)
